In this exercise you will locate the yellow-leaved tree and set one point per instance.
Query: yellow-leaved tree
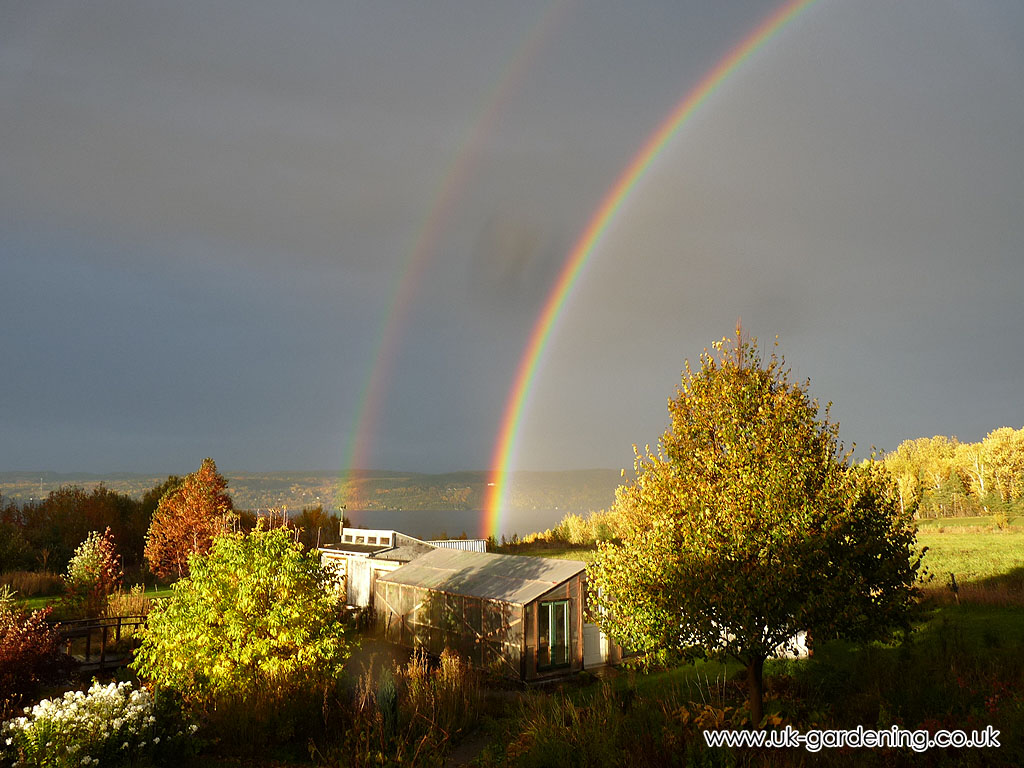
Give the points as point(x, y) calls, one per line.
point(748, 524)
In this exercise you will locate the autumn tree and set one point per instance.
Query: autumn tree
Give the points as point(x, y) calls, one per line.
point(748, 525)
point(938, 476)
point(187, 518)
point(1005, 450)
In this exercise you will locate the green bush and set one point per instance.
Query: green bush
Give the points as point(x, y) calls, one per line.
point(253, 638)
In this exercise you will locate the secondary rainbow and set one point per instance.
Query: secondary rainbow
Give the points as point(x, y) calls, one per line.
point(395, 316)
point(627, 181)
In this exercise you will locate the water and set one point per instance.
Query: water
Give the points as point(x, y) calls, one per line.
point(427, 524)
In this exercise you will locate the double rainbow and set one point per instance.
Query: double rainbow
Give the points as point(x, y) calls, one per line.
point(613, 201)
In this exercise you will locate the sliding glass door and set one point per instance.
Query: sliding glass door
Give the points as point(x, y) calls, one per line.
point(553, 634)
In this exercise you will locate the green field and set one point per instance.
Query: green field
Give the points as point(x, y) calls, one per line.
point(988, 562)
point(974, 548)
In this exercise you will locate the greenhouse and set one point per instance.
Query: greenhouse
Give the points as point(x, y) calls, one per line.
point(518, 616)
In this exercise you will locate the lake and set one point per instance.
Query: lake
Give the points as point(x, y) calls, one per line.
point(426, 524)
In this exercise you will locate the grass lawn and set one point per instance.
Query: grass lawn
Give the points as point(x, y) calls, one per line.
point(41, 601)
point(988, 564)
point(980, 555)
point(970, 523)
point(556, 551)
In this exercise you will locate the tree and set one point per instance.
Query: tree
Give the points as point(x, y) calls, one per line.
point(747, 526)
point(187, 518)
point(53, 527)
point(316, 526)
point(1005, 448)
point(255, 614)
point(15, 551)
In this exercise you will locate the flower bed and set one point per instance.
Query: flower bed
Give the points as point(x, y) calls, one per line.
point(110, 724)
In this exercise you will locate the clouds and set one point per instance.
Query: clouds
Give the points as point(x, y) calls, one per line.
point(207, 210)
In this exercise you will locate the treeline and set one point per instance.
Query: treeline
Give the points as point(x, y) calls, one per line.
point(941, 477)
point(42, 535)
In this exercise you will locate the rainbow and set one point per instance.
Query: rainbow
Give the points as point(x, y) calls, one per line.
point(356, 456)
point(613, 201)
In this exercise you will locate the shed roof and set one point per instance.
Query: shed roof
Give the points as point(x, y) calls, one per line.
point(404, 552)
point(354, 549)
point(510, 578)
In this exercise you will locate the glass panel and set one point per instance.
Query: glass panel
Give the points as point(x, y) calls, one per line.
point(553, 634)
point(559, 633)
point(543, 640)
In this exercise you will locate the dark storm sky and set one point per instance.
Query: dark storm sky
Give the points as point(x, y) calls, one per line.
point(205, 210)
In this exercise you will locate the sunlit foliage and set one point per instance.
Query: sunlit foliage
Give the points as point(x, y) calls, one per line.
point(747, 526)
point(94, 573)
point(942, 477)
point(110, 725)
point(254, 615)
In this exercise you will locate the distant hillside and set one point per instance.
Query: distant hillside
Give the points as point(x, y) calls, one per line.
point(570, 490)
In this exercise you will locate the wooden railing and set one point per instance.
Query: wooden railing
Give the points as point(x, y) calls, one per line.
point(103, 629)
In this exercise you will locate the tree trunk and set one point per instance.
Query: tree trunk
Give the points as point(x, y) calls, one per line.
point(755, 690)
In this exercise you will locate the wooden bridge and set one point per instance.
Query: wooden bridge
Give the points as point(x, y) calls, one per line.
point(87, 634)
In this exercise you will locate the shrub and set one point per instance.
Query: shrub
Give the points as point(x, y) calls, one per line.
point(131, 603)
point(93, 574)
point(256, 616)
point(605, 524)
point(110, 725)
point(1001, 520)
point(410, 715)
point(29, 653)
point(597, 728)
point(15, 551)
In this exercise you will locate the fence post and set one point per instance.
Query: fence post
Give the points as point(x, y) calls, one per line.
point(103, 644)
